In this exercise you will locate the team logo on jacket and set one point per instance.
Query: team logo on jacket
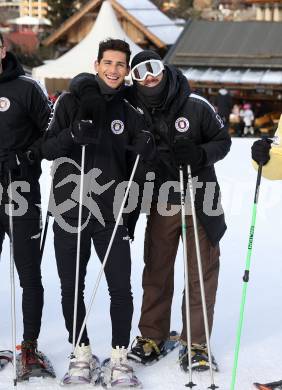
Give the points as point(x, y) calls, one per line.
point(4, 104)
point(117, 126)
point(182, 124)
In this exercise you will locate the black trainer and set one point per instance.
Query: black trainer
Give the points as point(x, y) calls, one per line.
point(200, 358)
point(145, 350)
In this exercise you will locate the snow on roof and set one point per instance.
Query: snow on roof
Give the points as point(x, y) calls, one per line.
point(243, 76)
point(153, 19)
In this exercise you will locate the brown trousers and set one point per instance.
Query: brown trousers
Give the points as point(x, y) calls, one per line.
point(160, 248)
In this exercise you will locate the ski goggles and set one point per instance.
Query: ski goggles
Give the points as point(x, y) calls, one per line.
point(149, 67)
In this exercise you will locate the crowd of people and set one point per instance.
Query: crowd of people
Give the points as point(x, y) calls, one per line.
point(102, 132)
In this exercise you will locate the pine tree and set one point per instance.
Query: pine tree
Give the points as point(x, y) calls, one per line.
point(60, 10)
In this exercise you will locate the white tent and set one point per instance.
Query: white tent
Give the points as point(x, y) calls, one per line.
point(82, 56)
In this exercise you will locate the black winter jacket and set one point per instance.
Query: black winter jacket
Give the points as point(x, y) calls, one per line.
point(107, 164)
point(24, 115)
point(188, 114)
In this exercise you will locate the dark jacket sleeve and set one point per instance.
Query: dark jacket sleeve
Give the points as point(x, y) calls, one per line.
point(136, 124)
point(82, 83)
point(39, 110)
point(217, 141)
point(58, 141)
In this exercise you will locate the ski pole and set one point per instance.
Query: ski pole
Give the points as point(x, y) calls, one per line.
point(48, 215)
point(12, 281)
point(78, 245)
point(201, 279)
point(186, 276)
point(108, 249)
point(44, 235)
point(246, 279)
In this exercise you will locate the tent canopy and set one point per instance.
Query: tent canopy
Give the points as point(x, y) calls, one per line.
point(82, 56)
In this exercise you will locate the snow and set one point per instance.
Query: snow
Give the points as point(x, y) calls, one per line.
point(262, 333)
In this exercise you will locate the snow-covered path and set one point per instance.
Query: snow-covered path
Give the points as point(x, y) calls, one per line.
point(260, 358)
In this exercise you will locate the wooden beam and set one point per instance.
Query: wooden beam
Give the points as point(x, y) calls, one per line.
point(152, 37)
point(70, 22)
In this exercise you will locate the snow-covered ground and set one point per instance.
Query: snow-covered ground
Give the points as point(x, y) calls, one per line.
point(260, 357)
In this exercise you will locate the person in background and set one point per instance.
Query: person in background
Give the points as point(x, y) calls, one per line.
point(248, 119)
point(223, 104)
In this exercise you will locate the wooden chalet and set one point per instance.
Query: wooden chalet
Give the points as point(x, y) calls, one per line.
point(141, 20)
point(243, 57)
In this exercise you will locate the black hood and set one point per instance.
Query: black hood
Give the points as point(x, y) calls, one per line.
point(178, 89)
point(11, 68)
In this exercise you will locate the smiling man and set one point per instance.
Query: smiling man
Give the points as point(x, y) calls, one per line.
point(95, 114)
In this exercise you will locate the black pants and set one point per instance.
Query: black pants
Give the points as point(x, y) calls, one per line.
point(26, 238)
point(117, 272)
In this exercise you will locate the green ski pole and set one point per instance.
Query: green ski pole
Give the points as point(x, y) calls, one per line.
point(245, 280)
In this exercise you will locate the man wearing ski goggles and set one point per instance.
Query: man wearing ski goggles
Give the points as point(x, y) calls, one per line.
point(147, 68)
point(187, 131)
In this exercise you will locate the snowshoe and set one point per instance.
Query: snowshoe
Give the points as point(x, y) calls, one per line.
point(84, 367)
point(82, 372)
point(6, 357)
point(146, 351)
point(269, 386)
point(200, 358)
point(33, 363)
point(117, 373)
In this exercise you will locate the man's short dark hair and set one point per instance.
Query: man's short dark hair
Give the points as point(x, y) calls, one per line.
point(1, 39)
point(114, 44)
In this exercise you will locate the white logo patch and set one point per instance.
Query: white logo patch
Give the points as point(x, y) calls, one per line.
point(117, 126)
point(4, 104)
point(182, 124)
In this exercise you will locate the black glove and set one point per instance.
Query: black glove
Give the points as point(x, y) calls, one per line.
point(144, 144)
point(84, 132)
point(92, 107)
point(186, 152)
point(260, 150)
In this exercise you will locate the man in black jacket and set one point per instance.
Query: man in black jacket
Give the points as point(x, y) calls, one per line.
point(95, 114)
point(187, 130)
point(24, 115)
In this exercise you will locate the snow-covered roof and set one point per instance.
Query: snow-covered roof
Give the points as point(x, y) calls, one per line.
point(242, 76)
point(82, 56)
point(151, 17)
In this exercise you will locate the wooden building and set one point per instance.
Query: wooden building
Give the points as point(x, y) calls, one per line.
point(141, 20)
point(243, 57)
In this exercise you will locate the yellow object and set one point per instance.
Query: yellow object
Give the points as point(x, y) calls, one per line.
point(273, 169)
